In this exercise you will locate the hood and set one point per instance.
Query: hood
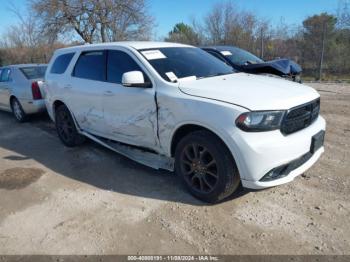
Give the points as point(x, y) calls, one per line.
point(253, 92)
point(279, 66)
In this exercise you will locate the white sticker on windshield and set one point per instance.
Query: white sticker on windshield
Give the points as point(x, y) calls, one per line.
point(226, 53)
point(153, 54)
point(172, 77)
point(187, 78)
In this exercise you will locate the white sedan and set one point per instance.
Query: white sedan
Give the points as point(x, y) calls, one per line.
point(20, 89)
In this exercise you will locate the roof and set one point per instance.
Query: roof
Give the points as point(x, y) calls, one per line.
point(130, 44)
point(24, 65)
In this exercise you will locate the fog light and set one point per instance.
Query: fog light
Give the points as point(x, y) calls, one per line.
point(275, 173)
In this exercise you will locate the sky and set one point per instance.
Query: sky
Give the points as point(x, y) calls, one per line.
point(169, 12)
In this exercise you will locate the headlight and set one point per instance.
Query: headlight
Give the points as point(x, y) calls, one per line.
point(257, 121)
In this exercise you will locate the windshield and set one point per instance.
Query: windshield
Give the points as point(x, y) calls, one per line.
point(173, 63)
point(239, 56)
point(33, 72)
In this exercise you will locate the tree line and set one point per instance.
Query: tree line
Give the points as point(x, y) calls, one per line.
point(320, 44)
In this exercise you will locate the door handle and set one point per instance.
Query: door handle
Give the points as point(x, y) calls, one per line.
point(67, 86)
point(108, 93)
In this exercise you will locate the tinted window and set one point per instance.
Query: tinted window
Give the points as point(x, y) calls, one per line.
point(61, 63)
point(91, 65)
point(5, 75)
point(118, 64)
point(185, 62)
point(240, 57)
point(216, 55)
point(34, 72)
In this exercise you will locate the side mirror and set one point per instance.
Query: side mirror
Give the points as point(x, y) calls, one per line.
point(135, 79)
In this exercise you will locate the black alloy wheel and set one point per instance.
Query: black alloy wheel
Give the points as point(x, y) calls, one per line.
point(66, 128)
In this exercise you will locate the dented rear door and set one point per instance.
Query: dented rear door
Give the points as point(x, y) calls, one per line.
point(84, 91)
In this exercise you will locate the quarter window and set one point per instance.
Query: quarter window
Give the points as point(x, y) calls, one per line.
point(91, 65)
point(61, 63)
point(119, 63)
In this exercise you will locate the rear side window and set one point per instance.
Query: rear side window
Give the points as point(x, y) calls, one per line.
point(118, 64)
point(5, 75)
point(61, 63)
point(91, 65)
point(33, 72)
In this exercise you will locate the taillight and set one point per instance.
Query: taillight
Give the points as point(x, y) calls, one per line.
point(36, 91)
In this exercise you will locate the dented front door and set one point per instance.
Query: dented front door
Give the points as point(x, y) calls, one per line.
point(130, 113)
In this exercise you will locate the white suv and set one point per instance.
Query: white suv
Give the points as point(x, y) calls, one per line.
point(176, 107)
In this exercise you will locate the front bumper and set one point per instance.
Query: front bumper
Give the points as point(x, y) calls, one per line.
point(257, 153)
point(290, 177)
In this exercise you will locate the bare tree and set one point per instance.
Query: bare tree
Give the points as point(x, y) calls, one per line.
point(96, 20)
point(60, 16)
point(216, 23)
point(344, 13)
point(129, 20)
point(24, 42)
point(26, 32)
point(226, 24)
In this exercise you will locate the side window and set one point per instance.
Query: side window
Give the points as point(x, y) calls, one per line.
point(91, 65)
point(61, 63)
point(5, 75)
point(118, 63)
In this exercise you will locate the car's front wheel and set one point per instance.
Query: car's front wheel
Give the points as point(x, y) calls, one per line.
point(66, 128)
point(206, 166)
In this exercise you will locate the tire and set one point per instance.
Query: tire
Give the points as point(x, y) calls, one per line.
point(66, 129)
point(18, 111)
point(210, 174)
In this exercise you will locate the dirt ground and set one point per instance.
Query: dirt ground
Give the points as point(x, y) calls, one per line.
point(89, 200)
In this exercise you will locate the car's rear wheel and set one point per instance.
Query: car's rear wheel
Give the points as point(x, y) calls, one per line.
point(206, 166)
point(66, 128)
point(18, 111)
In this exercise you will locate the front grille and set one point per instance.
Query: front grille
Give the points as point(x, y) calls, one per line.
point(300, 117)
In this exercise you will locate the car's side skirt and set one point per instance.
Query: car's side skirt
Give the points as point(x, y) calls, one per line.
point(141, 156)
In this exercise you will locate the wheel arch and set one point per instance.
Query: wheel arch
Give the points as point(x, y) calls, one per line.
point(186, 129)
point(12, 96)
point(230, 171)
point(55, 105)
point(58, 103)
